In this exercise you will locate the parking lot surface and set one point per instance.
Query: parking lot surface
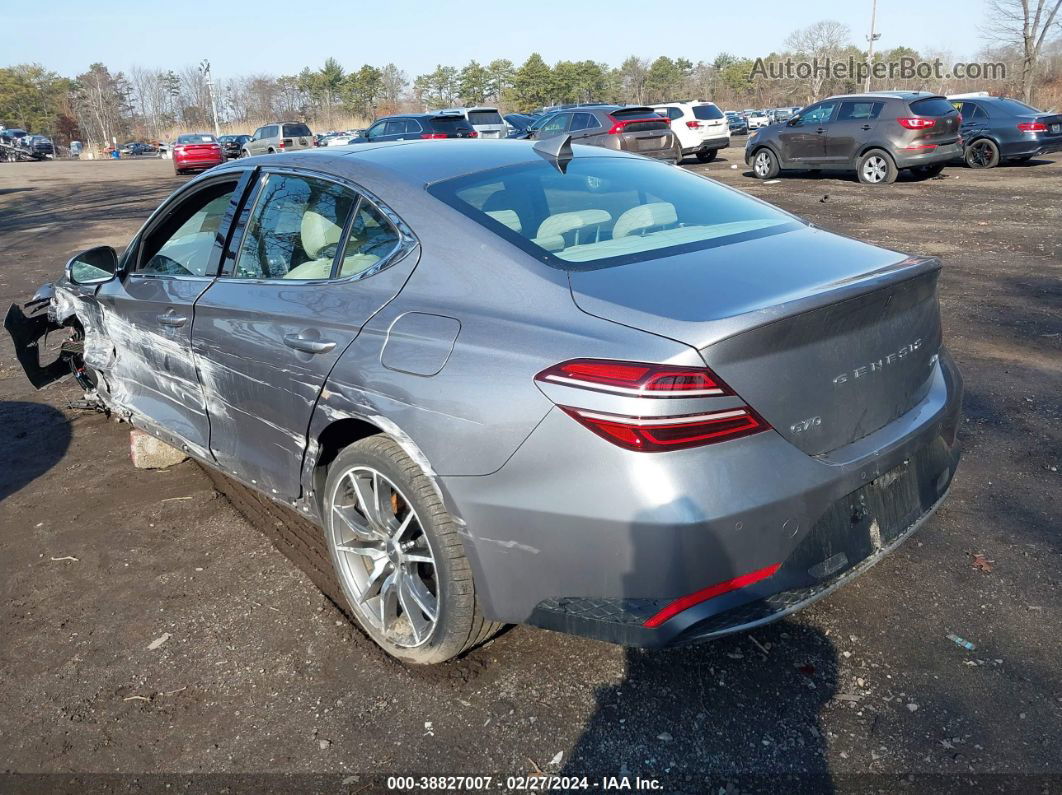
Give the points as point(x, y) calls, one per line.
point(148, 625)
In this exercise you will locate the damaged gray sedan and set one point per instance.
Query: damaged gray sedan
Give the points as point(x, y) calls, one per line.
point(518, 383)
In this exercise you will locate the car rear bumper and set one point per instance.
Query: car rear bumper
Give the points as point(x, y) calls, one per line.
point(599, 540)
point(1031, 147)
point(718, 142)
point(907, 158)
point(197, 162)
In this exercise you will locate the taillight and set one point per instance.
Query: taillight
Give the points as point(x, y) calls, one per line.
point(618, 126)
point(916, 122)
point(473, 134)
point(178, 150)
point(658, 434)
point(694, 125)
point(960, 120)
point(1032, 126)
point(650, 427)
point(433, 135)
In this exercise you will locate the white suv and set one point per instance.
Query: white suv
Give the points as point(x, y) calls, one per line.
point(700, 127)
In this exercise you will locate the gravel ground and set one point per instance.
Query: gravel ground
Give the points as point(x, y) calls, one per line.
point(148, 626)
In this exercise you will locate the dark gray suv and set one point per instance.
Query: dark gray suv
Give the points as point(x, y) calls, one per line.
point(875, 135)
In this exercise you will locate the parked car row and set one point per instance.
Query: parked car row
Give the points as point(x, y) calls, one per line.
point(876, 135)
point(881, 134)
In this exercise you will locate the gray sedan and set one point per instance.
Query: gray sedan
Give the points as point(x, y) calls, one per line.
point(557, 385)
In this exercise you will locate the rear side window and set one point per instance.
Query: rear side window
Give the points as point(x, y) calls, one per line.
point(583, 121)
point(932, 106)
point(484, 117)
point(707, 112)
point(859, 111)
point(296, 129)
point(372, 239)
point(608, 210)
point(972, 112)
point(295, 229)
point(1015, 108)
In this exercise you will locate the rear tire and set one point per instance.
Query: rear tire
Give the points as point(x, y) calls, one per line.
point(765, 164)
point(982, 153)
point(429, 613)
point(707, 155)
point(876, 167)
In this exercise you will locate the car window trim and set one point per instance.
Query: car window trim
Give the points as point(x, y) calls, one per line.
point(407, 240)
point(161, 215)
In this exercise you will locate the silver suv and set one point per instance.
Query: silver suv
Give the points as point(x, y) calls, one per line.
point(286, 136)
point(487, 122)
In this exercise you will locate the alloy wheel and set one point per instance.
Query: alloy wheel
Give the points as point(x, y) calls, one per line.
point(762, 166)
point(875, 168)
point(385, 561)
point(979, 155)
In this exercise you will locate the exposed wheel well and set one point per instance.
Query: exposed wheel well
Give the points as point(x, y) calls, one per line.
point(340, 434)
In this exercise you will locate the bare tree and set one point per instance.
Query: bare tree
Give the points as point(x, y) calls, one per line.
point(1026, 25)
point(816, 43)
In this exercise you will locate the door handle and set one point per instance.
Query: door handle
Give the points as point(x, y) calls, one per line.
point(821, 130)
point(307, 344)
point(172, 320)
point(866, 126)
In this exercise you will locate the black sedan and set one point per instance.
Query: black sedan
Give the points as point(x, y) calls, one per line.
point(232, 145)
point(998, 129)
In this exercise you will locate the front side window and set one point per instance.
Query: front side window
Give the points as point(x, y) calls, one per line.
point(556, 125)
point(295, 229)
point(376, 130)
point(817, 114)
point(608, 210)
point(183, 244)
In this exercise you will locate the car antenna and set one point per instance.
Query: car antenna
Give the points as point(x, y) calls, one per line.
point(558, 150)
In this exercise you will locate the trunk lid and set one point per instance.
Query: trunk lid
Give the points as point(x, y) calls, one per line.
point(827, 347)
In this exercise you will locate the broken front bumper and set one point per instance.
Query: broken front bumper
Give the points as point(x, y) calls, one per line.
point(29, 325)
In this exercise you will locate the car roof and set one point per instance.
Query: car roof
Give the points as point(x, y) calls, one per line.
point(907, 95)
point(416, 163)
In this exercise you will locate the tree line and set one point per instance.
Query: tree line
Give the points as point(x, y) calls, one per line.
point(100, 105)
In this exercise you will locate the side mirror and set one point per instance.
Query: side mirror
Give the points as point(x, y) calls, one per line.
point(95, 266)
point(793, 122)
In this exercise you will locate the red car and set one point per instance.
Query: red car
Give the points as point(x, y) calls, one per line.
point(197, 151)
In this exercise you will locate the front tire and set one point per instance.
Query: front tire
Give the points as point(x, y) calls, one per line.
point(765, 164)
point(398, 557)
point(982, 153)
point(707, 155)
point(876, 168)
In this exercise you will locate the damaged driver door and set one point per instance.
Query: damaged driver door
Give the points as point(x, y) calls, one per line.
point(147, 314)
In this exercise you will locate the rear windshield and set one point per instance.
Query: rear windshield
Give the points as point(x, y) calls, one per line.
point(296, 129)
point(605, 211)
point(451, 121)
point(707, 112)
point(932, 106)
point(196, 139)
point(484, 117)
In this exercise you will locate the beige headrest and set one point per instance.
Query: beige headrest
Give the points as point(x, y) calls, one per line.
point(645, 216)
point(318, 233)
point(565, 222)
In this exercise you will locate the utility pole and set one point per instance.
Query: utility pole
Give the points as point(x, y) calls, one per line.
point(204, 67)
point(871, 38)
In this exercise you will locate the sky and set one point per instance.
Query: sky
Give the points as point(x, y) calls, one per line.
point(282, 36)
